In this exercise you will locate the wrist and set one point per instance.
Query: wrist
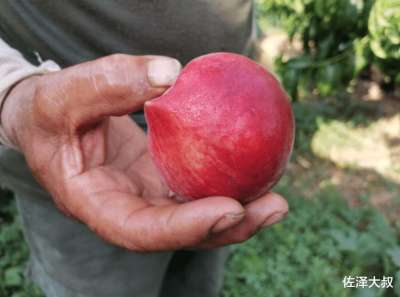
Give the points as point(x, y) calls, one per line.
point(16, 112)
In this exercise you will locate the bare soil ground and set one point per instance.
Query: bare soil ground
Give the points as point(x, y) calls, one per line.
point(361, 162)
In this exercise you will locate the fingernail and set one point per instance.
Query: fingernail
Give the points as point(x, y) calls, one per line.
point(228, 220)
point(163, 71)
point(274, 218)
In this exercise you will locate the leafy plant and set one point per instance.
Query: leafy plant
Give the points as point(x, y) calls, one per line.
point(384, 28)
point(384, 32)
point(13, 253)
point(340, 38)
point(309, 254)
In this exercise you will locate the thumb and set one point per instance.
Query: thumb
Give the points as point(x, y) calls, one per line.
point(110, 86)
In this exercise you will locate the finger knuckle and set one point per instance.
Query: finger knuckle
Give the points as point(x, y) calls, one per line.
point(117, 58)
point(244, 235)
point(46, 106)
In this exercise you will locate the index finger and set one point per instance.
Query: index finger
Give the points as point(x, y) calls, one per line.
point(120, 216)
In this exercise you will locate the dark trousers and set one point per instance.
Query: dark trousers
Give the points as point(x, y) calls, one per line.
point(69, 260)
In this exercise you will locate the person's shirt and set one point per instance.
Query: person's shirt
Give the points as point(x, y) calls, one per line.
point(71, 32)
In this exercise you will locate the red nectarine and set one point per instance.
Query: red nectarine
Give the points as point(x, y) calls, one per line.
point(225, 128)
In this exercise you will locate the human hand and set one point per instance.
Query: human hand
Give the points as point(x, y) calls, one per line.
point(73, 129)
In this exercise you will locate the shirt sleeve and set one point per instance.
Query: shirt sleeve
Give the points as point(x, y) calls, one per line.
point(14, 68)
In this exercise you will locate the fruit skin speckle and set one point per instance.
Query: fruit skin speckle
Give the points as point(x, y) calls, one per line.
point(225, 128)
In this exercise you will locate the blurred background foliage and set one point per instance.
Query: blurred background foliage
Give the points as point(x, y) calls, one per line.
point(338, 40)
point(339, 60)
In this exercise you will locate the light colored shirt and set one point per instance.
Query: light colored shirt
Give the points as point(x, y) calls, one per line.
point(13, 69)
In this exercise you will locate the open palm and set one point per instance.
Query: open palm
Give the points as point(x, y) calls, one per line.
point(93, 159)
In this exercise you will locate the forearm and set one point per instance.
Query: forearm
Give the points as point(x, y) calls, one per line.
point(14, 69)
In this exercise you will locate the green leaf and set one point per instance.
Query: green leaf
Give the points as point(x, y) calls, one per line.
point(397, 283)
point(329, 79)
point(13, 277)
point(394, 254)
point(300, 62)
point(362, 54)
point(347, 242)
point(319, 6)
point(384, 29)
